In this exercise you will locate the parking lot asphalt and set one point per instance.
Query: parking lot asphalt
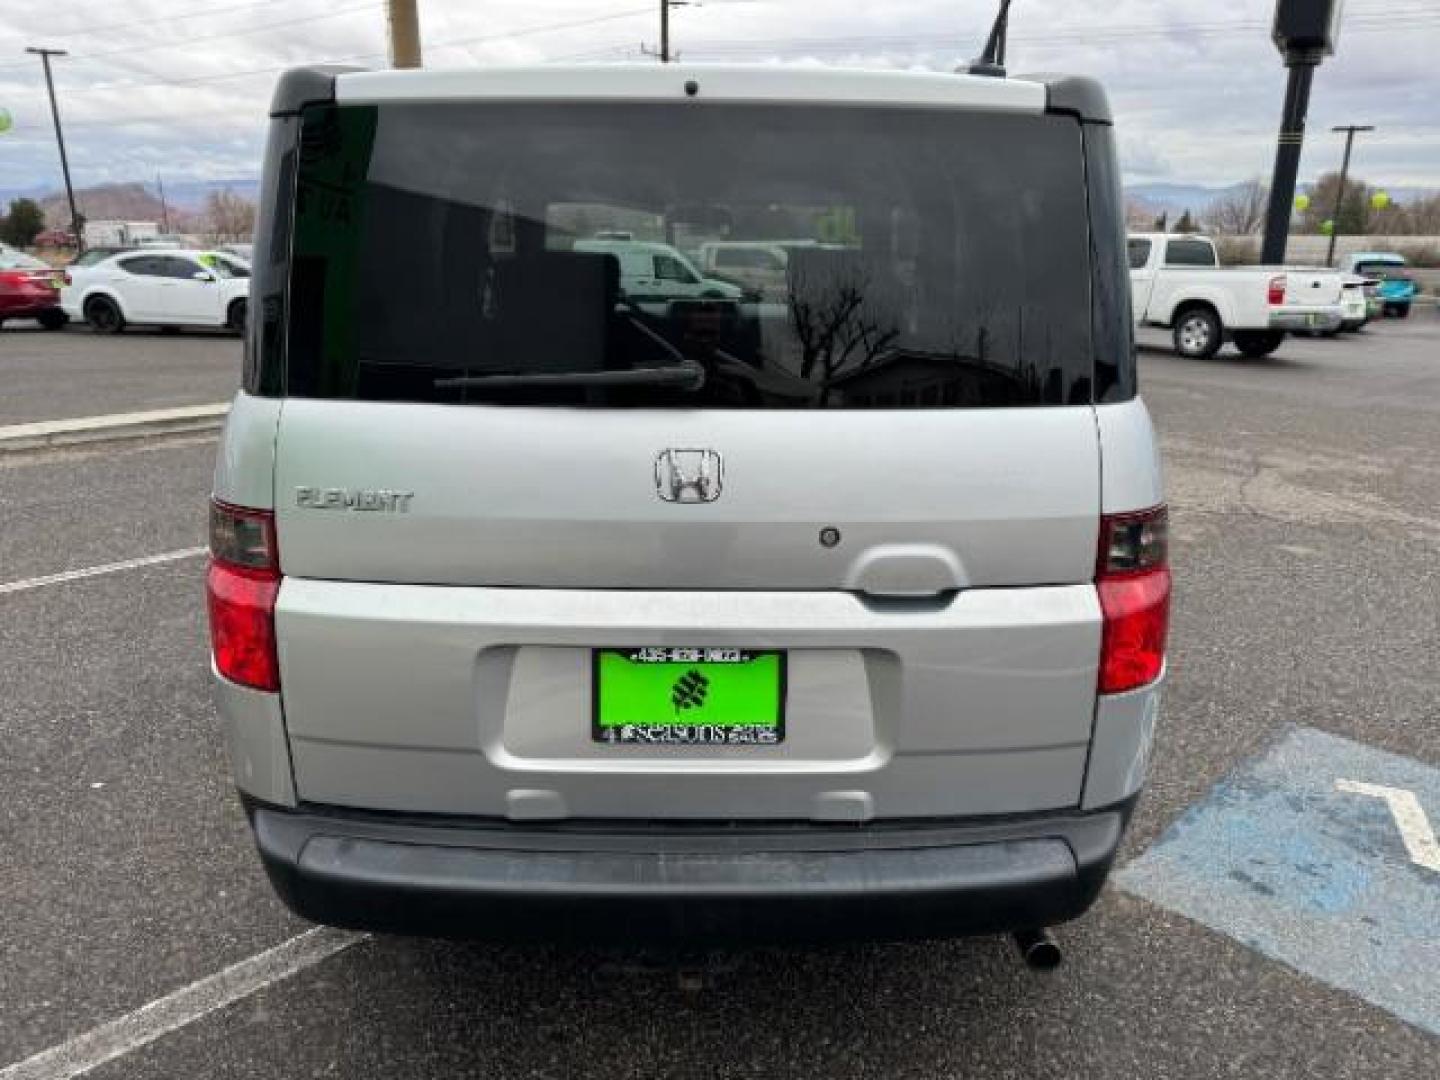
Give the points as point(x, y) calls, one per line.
point(71, 373)
point(1305, 496)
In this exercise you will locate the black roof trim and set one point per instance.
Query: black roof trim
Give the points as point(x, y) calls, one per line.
point(303, 86)
point(1078, 95)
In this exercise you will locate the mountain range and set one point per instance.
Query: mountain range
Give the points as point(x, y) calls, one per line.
point(130, 201)
point(1177, 198)
point(186, 198)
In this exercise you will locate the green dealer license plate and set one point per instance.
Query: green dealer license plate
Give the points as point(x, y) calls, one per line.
point(688, 697)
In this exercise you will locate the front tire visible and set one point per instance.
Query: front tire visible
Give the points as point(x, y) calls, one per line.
point(103, 315)
point(235, 316)
point(52, 319)
point(1197, 333)
point(1402, 311)
point(1258, 343)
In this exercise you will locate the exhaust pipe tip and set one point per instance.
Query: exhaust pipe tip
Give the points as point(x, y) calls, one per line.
point(1038, 949)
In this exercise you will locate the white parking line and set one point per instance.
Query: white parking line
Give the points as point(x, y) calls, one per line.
point(173, 1011)
point(26, 584)
point(1410, 819)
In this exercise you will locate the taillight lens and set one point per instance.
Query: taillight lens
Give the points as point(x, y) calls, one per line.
point(67, 278)
point(1133, 579)
point(1276, 294)
point(241, 586)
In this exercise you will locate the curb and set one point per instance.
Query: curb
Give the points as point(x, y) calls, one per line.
point(135, 425)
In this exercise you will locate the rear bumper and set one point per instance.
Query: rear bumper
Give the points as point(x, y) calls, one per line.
point(1323, 319)
point(685, 883)
point(27, 306)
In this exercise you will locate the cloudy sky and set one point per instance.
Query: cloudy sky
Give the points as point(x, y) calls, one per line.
point(179, 86)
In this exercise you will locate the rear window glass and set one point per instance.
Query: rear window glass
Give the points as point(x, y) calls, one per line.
point(1189, 253)
point(144, 265)
point(1382, 269)
point(1139, 254)
point(541, 254)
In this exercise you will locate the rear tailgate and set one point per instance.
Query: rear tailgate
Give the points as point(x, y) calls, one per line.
point(920, 679)
point(1310, 287)
point(886, 484)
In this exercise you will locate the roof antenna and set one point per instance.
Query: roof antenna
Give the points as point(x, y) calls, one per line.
point(992, 61)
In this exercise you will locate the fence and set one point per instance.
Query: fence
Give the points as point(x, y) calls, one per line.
point(1423, 252)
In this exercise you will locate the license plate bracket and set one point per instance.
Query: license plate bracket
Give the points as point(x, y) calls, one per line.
point(684, 696)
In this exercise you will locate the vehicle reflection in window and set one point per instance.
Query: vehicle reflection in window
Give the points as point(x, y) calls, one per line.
point(755, 257)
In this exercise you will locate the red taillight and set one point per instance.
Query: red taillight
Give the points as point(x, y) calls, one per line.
point(1276, 294)
point(1133, 579)
point(241, 587)
point(67, 278)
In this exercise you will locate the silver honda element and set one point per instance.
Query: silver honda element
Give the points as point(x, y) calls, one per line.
point(548, 601)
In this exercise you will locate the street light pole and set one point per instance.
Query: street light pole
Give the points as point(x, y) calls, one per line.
point(1304, 31)
point(1349, 130)
point(1302, 65)
point(404, 34)
point(45, 55)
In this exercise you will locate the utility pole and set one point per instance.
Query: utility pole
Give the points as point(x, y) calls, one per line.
point(1305, 32)
point(404, 34)
point(75, 226)
point(664, 55)
point(164, 206)
point(1349, 130)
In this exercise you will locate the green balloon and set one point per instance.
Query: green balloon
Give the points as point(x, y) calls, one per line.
point(1379, 200)
point(1302, 202)
point(6, 121)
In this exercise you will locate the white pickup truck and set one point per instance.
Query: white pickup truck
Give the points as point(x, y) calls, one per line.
point(1176, 281)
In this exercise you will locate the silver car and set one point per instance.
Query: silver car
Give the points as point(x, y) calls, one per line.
point(536, 613)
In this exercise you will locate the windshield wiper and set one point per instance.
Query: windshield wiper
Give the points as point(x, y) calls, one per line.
point(684, 374)
point(687, 376)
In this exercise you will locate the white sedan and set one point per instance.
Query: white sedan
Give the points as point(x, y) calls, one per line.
point(169, 289)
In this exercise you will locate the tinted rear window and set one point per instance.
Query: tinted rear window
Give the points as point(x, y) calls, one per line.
point(935, 259)
point(1189, 253)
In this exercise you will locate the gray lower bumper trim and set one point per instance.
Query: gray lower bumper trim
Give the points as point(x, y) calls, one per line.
point(1327, 320)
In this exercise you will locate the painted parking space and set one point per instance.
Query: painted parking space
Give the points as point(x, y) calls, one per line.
point(1321, 853)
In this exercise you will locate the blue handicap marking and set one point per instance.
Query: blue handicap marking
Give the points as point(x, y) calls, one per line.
point(1321, 853)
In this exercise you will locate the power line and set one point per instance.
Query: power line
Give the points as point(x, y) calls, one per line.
point(948, 40)
point(459, 43)
point(183, 42)
point(741, 48)
point(167, 19)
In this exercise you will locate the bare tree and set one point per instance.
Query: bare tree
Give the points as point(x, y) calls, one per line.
point(837, 326)
point(1139, 215)
point(1423, 216)
point(1240, 212)
point(230, 216)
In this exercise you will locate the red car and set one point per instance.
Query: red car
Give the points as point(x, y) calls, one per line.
point(30, 289)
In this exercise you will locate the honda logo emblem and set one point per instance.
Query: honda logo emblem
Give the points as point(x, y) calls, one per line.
point(688, 476)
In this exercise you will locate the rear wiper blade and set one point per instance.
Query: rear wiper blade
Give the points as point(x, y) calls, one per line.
point(687, 376)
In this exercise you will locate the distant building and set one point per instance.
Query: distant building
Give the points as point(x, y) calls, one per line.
point(55, 238)
point(119, 233)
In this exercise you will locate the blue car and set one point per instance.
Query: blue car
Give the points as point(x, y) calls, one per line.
point(1396, 289)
